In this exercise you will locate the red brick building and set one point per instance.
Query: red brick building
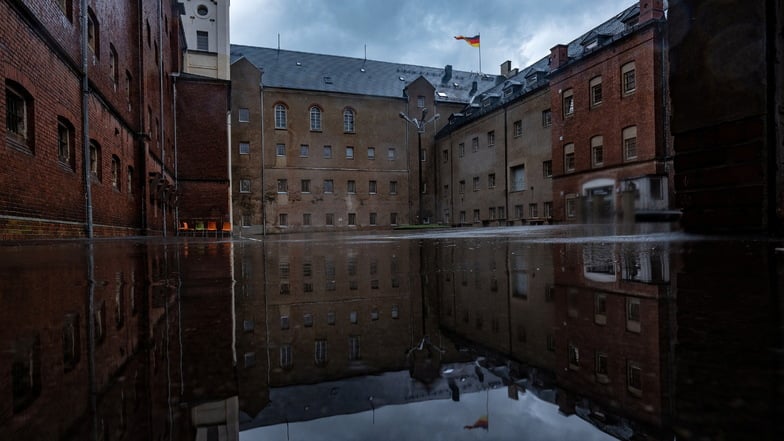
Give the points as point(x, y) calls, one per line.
point(610, 151)
point(99, 157)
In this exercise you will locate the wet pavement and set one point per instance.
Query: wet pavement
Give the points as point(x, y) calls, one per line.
point(535, 333)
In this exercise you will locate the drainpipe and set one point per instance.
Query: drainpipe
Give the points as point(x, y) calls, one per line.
point(263, 206)
point(162, 138)
point(506, 164)
point(140, 136)
point(176, 213)
point(86, 124)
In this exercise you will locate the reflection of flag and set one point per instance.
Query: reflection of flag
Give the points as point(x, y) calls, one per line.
point(473, 41)
point(482, 422)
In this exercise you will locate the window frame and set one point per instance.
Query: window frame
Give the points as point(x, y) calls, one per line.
point(629, 143)
point(628, 78)
point(567, 100)
point(349, 121)
point(315, 118)
point(281, 116)
point(595, 91)
point(570, 162)
point(597, 151)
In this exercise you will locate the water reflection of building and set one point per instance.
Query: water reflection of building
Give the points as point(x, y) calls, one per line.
point(94, 344)
point(591, 320)
point(614, 306)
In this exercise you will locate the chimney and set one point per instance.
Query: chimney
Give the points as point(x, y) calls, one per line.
point(447, 74)
point(473, 88)
point(506, 66)
point(651, 10)
point(559, 55)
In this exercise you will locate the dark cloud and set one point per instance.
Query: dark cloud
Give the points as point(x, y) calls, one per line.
point(419, 32)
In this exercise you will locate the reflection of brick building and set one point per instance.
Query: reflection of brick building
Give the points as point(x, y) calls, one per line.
point(102, 161)
point(610, 147)
point(613, 335)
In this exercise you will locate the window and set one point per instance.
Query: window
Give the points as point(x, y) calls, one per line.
point(391, 154)
point(476, 183)
point(372, 186)
point(304, 185)
point(392, 187)
point(283, 219)
point(533, 210)
point(475, 144)
point(280, 149)
point(393, 218)
point(128, 82)
point(445, 156)
point(25, 371)
point(517, 129)
point(571, 207)
point(568, 103)
point(461, 149)
point(491, 138)
point(327, 152)
point(353, 348)
point(202, 41)
point(547, 169)
point(315, 119)
point(518, 212)
point(597, 151)
point(71, 342)
point(331, 318)
point(65, 141)
point(114, 73)
point(321, 352)
point(630, 143)
point(491, 180)
point(67, 7)
point(329, 219)
point(547, 118)
point(353, 317)
point(420, 101)
point(628, 78)
point(371, 153)
point(328, 186)
point(93, 36)
point(423, 155)
point(286, 358)
point(18, 115)
point(373, 218)
point(569, 158)
point(349, 152)
point(395, 312)
point(244, 148)
point(491, 213)
point(243, 114)
point(634, 377)
point(548, 209)
point(280, 116)
point(601, 369)
point(633, 314)
point(348, 121)
point(501, 213)
point(352, 219)
point(129, 180)
point(115, 172)
point(477, 216)
point(351, 186)
point(304, 150)
point(95, 160)
point(462, 216)
point(283, 185)
point(244, 185)
point(306, 219)
point(595, 86)
point(574, 356)
point(461, 187)
point(518, 178)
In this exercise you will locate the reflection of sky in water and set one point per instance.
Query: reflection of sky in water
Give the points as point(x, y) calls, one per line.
point(529, 418)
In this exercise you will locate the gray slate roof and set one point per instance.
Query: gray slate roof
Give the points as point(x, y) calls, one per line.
point(331, 73)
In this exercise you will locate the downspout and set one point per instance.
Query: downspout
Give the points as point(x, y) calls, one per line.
point(143, 147)
point(162, 134)
point(228, 153)
point(506, 163)
point(176, 159)
point(263, 152)
point(86, 124)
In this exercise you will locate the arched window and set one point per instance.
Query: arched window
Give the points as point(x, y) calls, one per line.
point(95, 160)
point(348, 121)
point(280, 116)
point(315, 118)
point(19, 116)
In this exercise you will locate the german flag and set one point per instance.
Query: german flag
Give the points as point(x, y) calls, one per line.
point(473, 41)
point(481, 423)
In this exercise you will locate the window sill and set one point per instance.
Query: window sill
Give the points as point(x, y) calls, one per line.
point(18, 144)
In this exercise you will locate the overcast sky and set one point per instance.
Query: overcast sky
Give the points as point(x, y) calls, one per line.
point(420, 32)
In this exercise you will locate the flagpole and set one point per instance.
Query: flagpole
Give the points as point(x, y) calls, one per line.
point(480, 53)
